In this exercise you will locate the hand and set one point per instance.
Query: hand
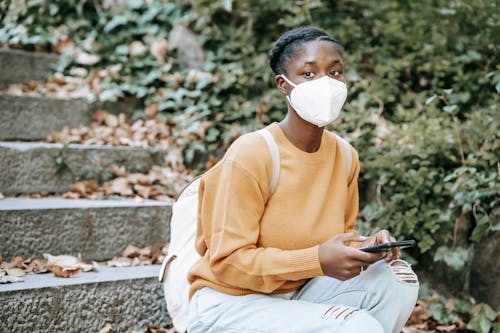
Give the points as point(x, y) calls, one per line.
point(342, 262)
point(383, 236)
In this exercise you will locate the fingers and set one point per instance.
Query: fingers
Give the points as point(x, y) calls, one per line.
point(350, 237)
point(384, 236)
point(363, 257)
point(395, 253)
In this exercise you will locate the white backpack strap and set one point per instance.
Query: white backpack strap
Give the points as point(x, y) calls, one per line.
point(275, 157)
point(346, 154)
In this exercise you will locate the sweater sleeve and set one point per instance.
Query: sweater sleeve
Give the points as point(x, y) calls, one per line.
point(231, 203)
point(352, 203)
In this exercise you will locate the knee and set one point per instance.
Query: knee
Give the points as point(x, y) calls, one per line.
point(407, 280)
point(403, 272)
point(395, 279)
point(361, 322)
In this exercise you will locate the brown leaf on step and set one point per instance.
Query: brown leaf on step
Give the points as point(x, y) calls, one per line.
point(15, 262)
point(99, 116)
point(66, 266)
point(118, 186)
point(15, 90)
point(143, 191)
point(111, 120)
point(70, 195)
point(119, 262)
point(36, 266)
point(85, 187)
point(10, 279)
point(155, 252)
point(119, 171)
point(131, 251)
point(64, 272)
point(106, 329)
point(15, 272)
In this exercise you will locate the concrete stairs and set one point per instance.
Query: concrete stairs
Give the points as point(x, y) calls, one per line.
point(32, 118)
point(125, 297)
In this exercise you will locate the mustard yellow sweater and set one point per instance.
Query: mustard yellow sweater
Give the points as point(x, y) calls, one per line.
point(250, 242)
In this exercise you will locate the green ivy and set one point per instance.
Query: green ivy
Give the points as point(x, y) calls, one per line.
point(424, 82)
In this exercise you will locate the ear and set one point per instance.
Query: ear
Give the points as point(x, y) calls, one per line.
point(282, 85)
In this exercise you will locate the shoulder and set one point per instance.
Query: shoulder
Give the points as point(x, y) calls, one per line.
point(248, 153)
point(247, 149)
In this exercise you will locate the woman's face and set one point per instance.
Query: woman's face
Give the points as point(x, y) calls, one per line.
point(314, 60)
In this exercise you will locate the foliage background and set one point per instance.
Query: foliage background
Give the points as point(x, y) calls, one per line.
point(423, 111)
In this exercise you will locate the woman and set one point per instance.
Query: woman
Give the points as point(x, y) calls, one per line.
point(289, 262)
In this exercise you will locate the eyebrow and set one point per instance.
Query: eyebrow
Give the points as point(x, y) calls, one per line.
point(334, 62)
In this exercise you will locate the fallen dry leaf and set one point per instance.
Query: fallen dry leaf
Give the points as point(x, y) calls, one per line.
point(64, 272)
point(67, 266)
point(118, 186)
point(15, 272)
point(15, 262)
point(10, 279)
point(131, 251)
point(120, 262)
point(85, 187)
point(36, 266)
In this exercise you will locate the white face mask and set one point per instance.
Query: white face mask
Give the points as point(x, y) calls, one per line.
point(318, 101)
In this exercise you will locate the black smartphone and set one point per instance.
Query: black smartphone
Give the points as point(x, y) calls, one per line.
point(390, 245)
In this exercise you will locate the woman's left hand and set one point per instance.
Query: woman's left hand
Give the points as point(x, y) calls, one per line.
point(383, 236)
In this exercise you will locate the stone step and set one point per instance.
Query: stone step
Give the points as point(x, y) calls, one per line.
point(33, 118)
point(23, 66)
point(126, 298)
point(96, 229)
point(27, 167)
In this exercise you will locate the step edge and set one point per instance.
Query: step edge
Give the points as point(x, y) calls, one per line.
point(103, 275)
point(24, 204)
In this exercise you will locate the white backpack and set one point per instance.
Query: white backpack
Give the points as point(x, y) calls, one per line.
point(183, 224)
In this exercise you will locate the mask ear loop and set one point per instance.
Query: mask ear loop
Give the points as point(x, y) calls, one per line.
point(287, 80)
point(293, 85)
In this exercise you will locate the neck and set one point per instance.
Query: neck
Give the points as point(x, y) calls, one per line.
point(303, 135)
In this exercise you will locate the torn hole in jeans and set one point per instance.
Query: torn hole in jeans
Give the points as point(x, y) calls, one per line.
point(339, 312)
point(403, 271)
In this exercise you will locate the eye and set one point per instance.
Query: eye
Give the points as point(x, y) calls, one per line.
point(335, 72)
point(309, 74)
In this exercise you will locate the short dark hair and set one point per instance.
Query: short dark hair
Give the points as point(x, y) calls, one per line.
point(290, 41)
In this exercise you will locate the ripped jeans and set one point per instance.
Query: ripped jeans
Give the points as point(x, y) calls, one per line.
point(380, 299)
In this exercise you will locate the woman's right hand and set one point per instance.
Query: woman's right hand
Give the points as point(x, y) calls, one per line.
point(343, 262)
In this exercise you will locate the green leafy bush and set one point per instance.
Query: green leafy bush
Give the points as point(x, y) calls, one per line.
point(423, 79)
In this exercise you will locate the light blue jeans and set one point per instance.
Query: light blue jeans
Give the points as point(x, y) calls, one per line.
point(379, 299)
